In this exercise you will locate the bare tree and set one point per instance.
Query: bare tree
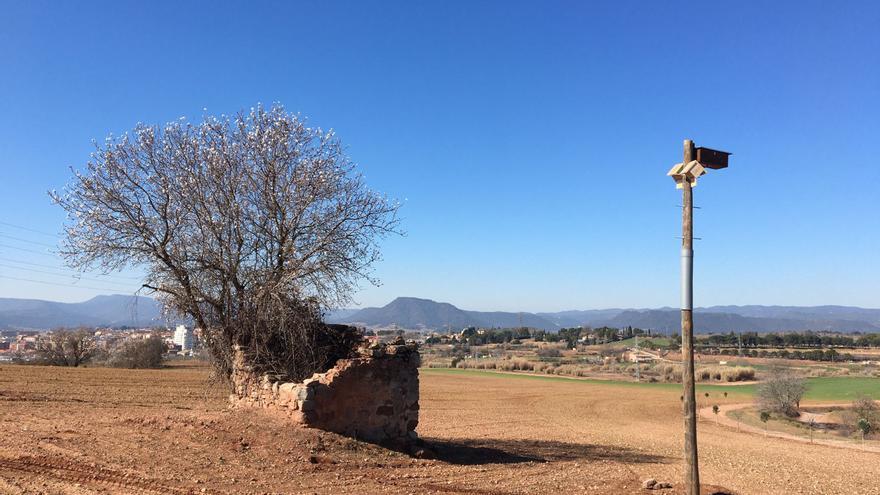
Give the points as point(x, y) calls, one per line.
point(252, 225)
point(781, 392)
point(63, 347)
point(765, 416)
point(138, 354)
point(865, 407)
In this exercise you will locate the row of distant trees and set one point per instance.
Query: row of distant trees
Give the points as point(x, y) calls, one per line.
point(600, 335)
point(830, 355)
point(571, 336)
point(76, 347)
point(471, 336)
point(748, 340)
point(803, 339)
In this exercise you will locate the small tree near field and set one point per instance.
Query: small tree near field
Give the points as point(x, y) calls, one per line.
point(715, 410)
point(781, 392)
point(812, 426)
point(865, 407)
point(139, 354)
point(864, 426)
point(765, 416)
point(63, 347)
point(250, 225)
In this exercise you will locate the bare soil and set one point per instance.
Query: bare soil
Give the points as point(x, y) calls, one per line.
point(87, 431)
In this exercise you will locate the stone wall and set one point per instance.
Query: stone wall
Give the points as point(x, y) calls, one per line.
point(372, 397)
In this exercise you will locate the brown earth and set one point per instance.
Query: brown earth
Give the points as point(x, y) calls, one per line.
point(86, 431)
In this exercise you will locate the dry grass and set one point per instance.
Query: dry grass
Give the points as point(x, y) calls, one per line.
point(623, 370)
point(726, 374)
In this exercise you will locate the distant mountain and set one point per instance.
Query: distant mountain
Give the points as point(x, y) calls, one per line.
point(815, 313)
point(414, 313)
point(411, 312)
point(114, 310)
point(339, 314)
point(575, 318)
point(711, 321)
point(502, 319)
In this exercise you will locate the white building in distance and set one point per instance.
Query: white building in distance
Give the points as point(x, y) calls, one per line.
point(183, 337)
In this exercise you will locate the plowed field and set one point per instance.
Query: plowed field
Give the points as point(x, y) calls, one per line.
point(86, 431)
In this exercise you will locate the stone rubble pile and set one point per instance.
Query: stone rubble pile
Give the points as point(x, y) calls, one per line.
point(373, 397)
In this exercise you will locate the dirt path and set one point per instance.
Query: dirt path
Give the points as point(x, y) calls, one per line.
point(722, 418)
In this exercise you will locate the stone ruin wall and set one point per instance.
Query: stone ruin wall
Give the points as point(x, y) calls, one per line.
point(373, 397)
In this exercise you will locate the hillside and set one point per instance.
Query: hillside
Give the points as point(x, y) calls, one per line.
point(412, 312)
point(112, 310)
point(415, 313)
point(706, 321)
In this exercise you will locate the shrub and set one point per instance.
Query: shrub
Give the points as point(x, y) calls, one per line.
point(672, 373)
point(865, 408)
point(137, 354)
point(548, 353)
point(765, 416)
point(737, 374)
point(781, 392)
point(726, 374)
point(864, 426)
point(63, 347)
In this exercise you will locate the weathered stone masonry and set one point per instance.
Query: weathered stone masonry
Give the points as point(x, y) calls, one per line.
point(373, 397)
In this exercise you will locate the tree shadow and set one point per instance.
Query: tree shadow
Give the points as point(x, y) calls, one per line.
point(495, 451)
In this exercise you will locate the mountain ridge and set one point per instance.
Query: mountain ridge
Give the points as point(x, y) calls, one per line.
point(105, 310)
point(419, 313)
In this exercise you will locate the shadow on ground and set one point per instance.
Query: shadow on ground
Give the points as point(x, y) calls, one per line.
point(494, 451)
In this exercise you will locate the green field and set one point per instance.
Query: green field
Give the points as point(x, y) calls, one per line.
point(842, 388)
point(818, 389)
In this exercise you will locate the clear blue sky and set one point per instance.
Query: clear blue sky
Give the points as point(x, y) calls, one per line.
point(529, 140)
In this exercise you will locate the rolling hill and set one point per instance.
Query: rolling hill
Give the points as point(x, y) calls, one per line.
point(112, 310)
point(415, 313)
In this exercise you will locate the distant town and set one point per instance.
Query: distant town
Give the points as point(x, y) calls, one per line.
point(24, 345)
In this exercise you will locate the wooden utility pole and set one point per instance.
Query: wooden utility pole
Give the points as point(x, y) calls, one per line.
point(685, 174)
point(687, 329)
point(638, 371)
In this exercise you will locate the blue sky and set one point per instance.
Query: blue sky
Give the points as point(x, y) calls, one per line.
point(529, 140)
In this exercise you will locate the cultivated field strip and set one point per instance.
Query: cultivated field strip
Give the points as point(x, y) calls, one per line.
point(69, 471)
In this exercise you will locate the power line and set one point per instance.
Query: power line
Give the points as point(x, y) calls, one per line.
point(28, 250)
point(58, 284)
point(7, 236)
point(56, 274)
point(72, 272)
point(28, 229)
